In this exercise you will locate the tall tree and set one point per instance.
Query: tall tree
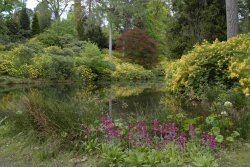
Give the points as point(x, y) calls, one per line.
point(57, 7)
point(9, 5)
point(44, 14)
point(156, 21)
point(108, 8)
point(35, 25)
point(79, 19)
point(232, 18)
point(194, 21)
point(24, 20)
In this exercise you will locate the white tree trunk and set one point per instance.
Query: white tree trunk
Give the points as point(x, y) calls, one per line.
point(110, 40)
point(232, 18)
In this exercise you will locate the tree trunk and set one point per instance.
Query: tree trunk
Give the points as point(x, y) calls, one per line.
point(232, 18)
point(110, 40)
point(79, 20)
point(90, 7)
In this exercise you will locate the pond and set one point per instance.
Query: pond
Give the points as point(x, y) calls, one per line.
point(74, 106)
point(118, 99)
point(67, 110)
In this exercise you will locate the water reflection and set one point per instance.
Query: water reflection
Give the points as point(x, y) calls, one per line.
point(118, 99)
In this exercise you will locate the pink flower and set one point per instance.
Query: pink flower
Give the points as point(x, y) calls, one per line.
point(192, 130)
point(87, 131)
point(181, 140)
point(130, 126)
point(208, 140)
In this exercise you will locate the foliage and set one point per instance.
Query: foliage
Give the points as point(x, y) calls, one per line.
point(92, 57)
point(47, 118)
point(24, 22)
point(66, 59)
point(194, 21)
point(210, 64)
point(35, 25)
point(138, 46)
point(79, 19)
point(155, 23)
point(59, 34)
point(132, 145)
point(112, 155)
point(7, 67)
point(244, 8)
point(94, 34)
point(43, 14)
point(128, 71)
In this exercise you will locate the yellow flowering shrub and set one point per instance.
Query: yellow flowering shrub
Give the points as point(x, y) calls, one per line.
point(207, 64)
point(128, 71)
point(85, 73)
point(29, 71)
point(7, 65)
point(240, 70)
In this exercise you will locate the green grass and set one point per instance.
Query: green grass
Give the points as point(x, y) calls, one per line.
point(25, 150)
point(237, 157)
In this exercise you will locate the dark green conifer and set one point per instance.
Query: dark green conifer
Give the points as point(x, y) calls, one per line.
point(35, 25)
point(24, 20)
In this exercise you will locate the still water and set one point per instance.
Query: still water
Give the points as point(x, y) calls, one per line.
point(119, 99)
point(74, 105)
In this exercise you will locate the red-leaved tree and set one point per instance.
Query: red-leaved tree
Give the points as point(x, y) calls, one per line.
point(138, 47)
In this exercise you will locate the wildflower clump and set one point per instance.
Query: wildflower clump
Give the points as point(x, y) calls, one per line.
point(140, 134)
point(141, 143)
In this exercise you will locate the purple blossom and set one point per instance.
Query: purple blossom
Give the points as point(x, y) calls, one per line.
point(181, 140)
point(192, 130)
point(87, 131)
point(208, 140)
point(153, 135)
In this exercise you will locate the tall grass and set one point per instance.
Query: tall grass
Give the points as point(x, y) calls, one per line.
point(62, 120)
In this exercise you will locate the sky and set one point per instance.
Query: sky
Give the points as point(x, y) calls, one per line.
point(31, 4)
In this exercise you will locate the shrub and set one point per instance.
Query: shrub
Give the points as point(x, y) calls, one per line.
point(240, 70)
point(210, 64)
point(7, 67)
point(23, 54)
point(28, 71)
point(85, 73)
point(63, 68)
point(138, 46)
point(128, 71)
point(59, 34)
point(92, 57)
point(54, 50)
point(44, 64)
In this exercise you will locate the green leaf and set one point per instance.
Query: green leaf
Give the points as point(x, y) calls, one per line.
point(230, 139)
point(235, 134)
point(219, 138)
point(215, 130)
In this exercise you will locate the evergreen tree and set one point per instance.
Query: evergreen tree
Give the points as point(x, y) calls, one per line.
point(194, 21)
point(35, 25)
point(44, 15)
point(24, 20)
point(93, 33)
